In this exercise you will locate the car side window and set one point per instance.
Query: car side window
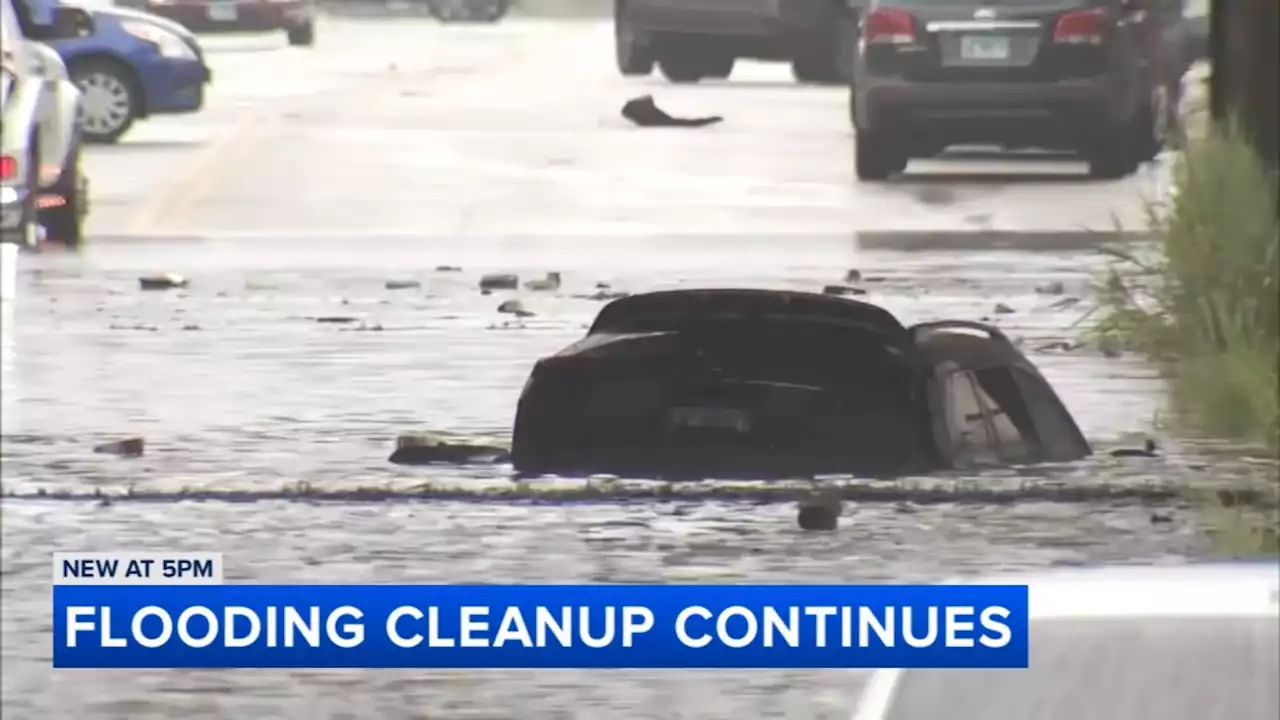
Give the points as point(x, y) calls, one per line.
point(972, 442)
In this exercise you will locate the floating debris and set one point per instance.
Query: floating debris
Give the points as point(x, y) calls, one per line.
point(500, 281)
point(1051, 288)
point(128, 447)
point(1002, 309)
point(514, 307)
point(852, 276)
point(819, 516)
point(168, 281)
point(336, 319)
point(430, 449)
point(1148, 449)
point(448, 268)
point(403, 284)
point(548, 283)
point(842, 290)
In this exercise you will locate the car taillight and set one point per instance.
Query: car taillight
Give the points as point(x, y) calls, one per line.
point(8, 167)
point(1082, 27)
point(889, 26)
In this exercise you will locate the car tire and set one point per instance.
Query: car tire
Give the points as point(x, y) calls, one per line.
point(30, 209)
point(65, 223)
point(632, 47)
point(1119, 151)
point(719, 67)
point(876, 157)
point(110, 99)
point(302, 35)
point(826, 59)
point(682, 66)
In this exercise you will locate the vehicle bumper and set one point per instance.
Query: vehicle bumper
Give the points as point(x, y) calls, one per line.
point(779, 19)
point(989, 112)
point(174, 86)
point(249, 17)
point(16, 216)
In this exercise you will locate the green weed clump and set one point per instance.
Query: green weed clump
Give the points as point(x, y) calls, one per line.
point(1206, 305)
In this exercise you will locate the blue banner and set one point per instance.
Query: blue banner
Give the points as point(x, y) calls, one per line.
point(540, 626)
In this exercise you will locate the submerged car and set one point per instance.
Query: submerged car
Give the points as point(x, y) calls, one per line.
point(1190, 642)
point(691, 384)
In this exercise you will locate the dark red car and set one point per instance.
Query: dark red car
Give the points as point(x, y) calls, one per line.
point(295, 17)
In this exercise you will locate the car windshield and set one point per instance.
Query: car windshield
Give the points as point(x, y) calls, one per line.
point(1148, 669)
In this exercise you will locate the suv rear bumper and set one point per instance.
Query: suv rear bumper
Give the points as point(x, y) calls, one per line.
point(1059, 113)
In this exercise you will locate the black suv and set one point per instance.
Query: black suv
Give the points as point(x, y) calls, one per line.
point(1076, 75)
point(694, 39)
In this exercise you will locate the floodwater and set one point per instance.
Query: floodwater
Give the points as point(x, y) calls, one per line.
point(241, 392)
point(267, 431)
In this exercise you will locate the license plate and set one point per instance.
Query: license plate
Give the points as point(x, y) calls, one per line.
point(710, 417)
point(984, 47)
point(223, 12)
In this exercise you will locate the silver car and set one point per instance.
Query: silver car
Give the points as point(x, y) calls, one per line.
point(41, 180)
point(1190, 642)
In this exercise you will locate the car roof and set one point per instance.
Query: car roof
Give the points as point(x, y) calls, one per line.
point(1209, 589)
point(662, 309)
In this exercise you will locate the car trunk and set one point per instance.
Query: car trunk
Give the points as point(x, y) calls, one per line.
point(730, 400)
point(996, 41)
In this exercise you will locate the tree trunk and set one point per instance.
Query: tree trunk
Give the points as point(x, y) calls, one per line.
point(1244, 38)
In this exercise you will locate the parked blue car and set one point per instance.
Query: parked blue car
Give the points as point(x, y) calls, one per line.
point(128, 64)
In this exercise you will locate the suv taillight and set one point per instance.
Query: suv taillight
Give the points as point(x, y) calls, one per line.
point(8, 167)
point(1082, 27)
point(889, 26)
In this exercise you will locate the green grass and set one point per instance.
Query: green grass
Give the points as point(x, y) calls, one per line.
point(1206, 306)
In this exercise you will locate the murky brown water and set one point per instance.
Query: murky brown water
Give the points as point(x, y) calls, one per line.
point(255, 396)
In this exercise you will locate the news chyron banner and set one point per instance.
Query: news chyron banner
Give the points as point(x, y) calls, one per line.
point(173, 610)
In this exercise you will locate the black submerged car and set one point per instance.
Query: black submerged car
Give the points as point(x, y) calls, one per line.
point(764, 384)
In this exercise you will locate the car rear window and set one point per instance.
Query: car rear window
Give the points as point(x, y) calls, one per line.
point(1127, 669)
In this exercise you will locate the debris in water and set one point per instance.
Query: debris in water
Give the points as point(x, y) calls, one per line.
point(500, 281)
point(514, 307)
point(191, 326)
point(819, 516)
point(336, 319)
point(448, 268)
point(550, 282)
point(842, 290)
point(427, 448)
point(168, 281)
point(1158, 518)
point(853, 276)
point(643, 111)
point(128, 447)
point(602, 295)
point(404, 284)
point(1148, 450)
point(1051, 288)
point(1065, 303)
point(1002, 309)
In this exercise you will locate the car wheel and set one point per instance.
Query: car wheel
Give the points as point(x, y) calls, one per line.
point(30, 219)
point(490, 11)
point(719, 67)
point(1114, 157)
point(815, 67)
point(682, 67)
point(632, 47)
point(109, 99)
point(876, 157)
point(302, 35)
point(65, 223)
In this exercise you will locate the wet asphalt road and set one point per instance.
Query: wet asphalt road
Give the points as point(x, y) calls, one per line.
point(316, 176)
